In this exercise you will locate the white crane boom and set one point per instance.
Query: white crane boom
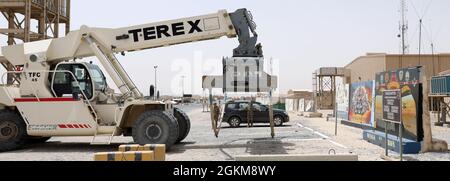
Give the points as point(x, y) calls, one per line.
point(134, 38)
point(105, 43)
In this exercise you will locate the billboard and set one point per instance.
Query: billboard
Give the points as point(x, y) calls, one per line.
point(361, 107)
point(392, 105)
point(407, 81)
point(342, 100)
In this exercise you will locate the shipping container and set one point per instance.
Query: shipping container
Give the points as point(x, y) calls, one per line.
point(440, 85)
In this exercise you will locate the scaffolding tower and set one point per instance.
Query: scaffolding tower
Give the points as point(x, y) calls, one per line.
point(324, 87)
point(20, 16)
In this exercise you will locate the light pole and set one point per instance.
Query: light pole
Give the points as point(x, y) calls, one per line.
point(156, 88)
point(182, 89)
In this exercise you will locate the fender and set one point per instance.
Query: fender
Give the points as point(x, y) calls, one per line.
point(132, 111)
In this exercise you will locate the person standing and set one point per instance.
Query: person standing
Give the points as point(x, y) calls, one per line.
point(216, 115)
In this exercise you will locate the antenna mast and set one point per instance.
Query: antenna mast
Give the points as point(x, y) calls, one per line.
point(404, 27)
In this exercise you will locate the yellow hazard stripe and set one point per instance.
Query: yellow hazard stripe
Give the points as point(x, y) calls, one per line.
point(125, 156)
point(158, 149)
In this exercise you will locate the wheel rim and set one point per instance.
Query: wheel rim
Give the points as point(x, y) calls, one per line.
point(277, 121)
point(235, 122)
point(8, 130)
point(153, 131)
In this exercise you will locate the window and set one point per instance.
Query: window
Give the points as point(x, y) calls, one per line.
point(62, 78)
point(98, 78)
point(259, 107)
point(243, 106)
point(79, 73)
point(231, 106)
point(64, 83)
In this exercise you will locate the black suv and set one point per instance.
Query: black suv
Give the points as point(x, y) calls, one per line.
point(236, 112)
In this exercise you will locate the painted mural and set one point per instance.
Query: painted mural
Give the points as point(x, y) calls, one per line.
point(406, 80)
point(361, 107)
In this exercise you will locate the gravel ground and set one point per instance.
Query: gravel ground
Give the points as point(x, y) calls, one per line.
point(352, 138)
point(290, 139)
point(300, 136)
point(441, 133)
point(200, 145)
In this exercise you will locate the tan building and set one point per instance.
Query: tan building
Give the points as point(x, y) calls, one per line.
point(364, 68)
point(300, 94)
point(296, 100)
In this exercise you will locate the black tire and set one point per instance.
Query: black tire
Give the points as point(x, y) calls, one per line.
point(278, 121)
point(36, 140)
point(234, 122)
point(155, 127)
point(184, 124)
point(13, 132)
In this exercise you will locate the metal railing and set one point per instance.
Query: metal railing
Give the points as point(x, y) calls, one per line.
point(51, 5)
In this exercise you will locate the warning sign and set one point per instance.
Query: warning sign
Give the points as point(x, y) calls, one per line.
point(392, 105)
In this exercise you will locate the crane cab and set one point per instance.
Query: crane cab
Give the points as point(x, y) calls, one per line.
point(74, 79)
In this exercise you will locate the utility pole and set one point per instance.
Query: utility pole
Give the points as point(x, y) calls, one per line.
point(405, 47)
point(182, 89)
point(432, 56)
point(420, 40)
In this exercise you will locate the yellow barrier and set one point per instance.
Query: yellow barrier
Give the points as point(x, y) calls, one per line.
point(125, 156)
point(159, 150)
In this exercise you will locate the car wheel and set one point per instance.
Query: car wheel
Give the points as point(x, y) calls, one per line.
point(278, 120)
point(234, 122)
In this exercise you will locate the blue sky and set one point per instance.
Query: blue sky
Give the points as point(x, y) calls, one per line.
point(302, 35)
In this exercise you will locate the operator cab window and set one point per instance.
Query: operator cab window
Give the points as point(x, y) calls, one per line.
point(98, 78)
point(64, 83)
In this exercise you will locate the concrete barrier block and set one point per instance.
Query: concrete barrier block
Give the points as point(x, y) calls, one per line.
point(158, 149)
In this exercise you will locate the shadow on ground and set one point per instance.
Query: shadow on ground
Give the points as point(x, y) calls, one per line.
point(258, 146)
point(265, 146)
point(255, 126)
point(56, 146)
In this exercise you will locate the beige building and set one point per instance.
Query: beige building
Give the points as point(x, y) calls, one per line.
point(364, 68)
point(297, 100)
point(300, 94)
